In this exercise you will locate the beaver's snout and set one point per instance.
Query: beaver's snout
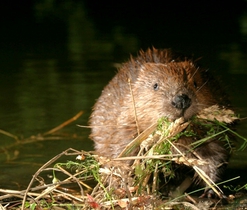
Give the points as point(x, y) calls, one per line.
point(181, 101)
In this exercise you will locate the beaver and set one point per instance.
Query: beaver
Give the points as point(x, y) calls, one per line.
point(160, 83)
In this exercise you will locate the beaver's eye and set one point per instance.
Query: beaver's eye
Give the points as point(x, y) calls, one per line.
point(195, 85)
point(156, 86)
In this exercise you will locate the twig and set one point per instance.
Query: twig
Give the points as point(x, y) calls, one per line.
point(137, 141)
point(64, 124)
point(186, 204)
point(38, 137)
point(8, 134)
point(37, 173)
point(134, 107)
point(73, 177)
point(69, 195)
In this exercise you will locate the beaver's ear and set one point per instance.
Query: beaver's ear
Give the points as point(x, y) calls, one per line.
point(156, 86)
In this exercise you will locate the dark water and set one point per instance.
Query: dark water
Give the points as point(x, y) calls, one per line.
point(55, 58)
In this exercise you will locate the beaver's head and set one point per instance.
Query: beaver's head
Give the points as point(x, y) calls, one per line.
point(172, 90)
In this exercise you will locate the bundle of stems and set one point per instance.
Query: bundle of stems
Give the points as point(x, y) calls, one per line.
point(92, 181)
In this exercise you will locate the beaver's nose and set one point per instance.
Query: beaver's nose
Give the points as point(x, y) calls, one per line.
point(181, 101)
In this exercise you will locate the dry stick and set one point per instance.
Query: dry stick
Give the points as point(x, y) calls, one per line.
point(55, 185)
point(38, 137)
point(208, 181)
point(8, 134)
point(13, 193)
point(47, 191)
point(18, 195)
point(175, 128)
point(200, 172)
point(138, 140)
point(64, 124)
point(97, 187)
point(186, 204)
point(134, 107)
point(69, 195)
point(37, 173)
point(28, 141)
point(73, 177)
point(123, 176)
point(155, 179)
point(1, 207)
point(75, 152)
point(66, 180)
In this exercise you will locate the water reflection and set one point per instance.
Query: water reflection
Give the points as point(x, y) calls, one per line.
point(84, 41)
point(49, 84)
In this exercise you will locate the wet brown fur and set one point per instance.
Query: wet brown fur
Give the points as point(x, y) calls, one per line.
point(113, 118)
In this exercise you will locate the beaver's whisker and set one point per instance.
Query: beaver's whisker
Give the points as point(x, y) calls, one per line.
point(193, 74)
point(202, 86)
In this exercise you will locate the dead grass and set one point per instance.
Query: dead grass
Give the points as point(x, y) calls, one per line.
point(89, 181)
